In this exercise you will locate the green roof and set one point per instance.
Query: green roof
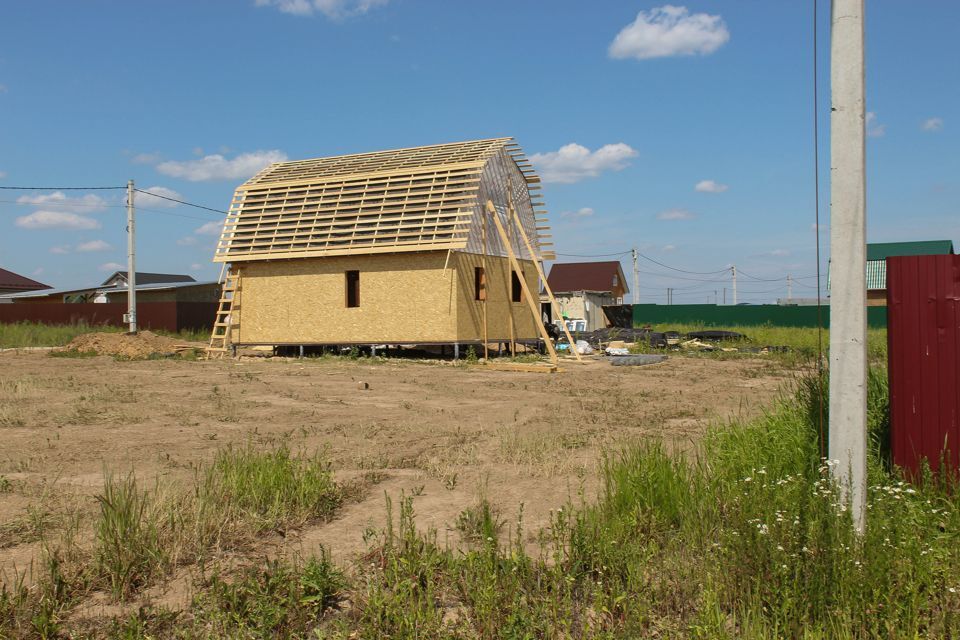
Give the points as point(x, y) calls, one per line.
point(884, 250)
point(876, 274)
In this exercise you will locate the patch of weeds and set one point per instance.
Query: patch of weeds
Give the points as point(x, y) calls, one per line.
point(72, 353)
point(277, 600)
point(11, 416)
point(480, 523)
point(128, 551)
point(6, 486)
point(271, 489)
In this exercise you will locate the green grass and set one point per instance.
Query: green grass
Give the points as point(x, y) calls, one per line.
point(751, 539)
point(34, 334)
point(748, 537)
point(802, 342)
point(139, 535)
point(269, 490)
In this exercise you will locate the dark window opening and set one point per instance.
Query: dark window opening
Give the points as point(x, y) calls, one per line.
point(516, 291)
point(352, 279)
point(479, 284)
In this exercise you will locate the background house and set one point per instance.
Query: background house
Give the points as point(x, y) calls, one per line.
point(582, 289)
point(151, 287)
point(391, 247)
point(164, 301)
point(877, 254)
point(11, 282)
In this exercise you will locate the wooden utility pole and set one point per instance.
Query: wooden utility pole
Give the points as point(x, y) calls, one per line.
point(848, 276)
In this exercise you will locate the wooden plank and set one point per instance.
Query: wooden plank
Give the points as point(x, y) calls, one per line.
point(522, 368)
point(546, 287)
point(532, 303)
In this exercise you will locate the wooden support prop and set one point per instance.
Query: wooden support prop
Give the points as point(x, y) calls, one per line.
point(483, 268)
point(533, 304)
point(546, 287)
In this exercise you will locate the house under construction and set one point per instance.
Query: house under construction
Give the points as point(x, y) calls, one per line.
point(436, 245)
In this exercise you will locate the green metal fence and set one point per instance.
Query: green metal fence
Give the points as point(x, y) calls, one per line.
point(746, 315)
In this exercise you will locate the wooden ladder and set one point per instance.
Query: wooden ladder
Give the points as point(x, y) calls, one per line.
point(223, 322)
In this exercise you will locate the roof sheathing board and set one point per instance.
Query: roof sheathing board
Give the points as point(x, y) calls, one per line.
point(404, 200)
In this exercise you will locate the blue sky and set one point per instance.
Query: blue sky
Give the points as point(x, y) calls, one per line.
point(626, 107)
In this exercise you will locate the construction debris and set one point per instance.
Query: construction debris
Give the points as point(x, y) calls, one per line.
point(636, 360)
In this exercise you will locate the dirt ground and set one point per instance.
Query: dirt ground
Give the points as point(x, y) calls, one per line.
point(440, 432)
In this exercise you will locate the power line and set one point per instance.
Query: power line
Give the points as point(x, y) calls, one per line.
point(60, 188)
point(91, 208)
point(698, 273)
point(189, 204)
point(577, 255)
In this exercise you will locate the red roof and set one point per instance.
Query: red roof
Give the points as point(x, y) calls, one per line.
point(588, 276)
point(10, 281)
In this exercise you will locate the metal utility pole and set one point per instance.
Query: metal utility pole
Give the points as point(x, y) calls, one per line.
point(789, 288)
point(636, 279)
point(733, 272)
point(131, 318)
point(848, 308)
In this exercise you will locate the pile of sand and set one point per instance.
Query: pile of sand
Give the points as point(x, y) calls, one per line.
point(142, 345)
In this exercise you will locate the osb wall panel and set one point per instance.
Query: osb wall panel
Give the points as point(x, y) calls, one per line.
point(499, 305)
point(403, 298)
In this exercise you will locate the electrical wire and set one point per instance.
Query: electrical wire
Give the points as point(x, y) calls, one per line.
point(698, 273)
point(70, 205)
point(816, 230)
point(60, 188)
point(601, 255)
point(189, 204)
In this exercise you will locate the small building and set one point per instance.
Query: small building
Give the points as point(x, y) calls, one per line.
point(582, 289)
point(877, 254)
point(151, 287)
point(11, 282)
point(391, 247)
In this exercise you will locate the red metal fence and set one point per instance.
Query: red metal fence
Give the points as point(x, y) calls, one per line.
point(169, 316)
point(923, 334)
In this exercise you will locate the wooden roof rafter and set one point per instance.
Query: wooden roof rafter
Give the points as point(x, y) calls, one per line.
point(415, 199)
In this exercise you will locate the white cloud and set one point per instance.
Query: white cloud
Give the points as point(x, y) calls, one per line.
point(93, 245)
point(574, 162)
point(113, 266)
point(217, 167)
point(668, 247)
point(196, 266)
point(676, 214)
point(87, 203)
point(3, 174)
point(212, 228)
point(335, 9)
point(59, 250)
point(3, 88)
point(148, 200)
point(930, 124)
point(710, 186)
point(56, 220)
point(38, 271)
point(584, 212)
point(779, 253)
point(187, 241)
point(669, 31)
point(874, 129)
